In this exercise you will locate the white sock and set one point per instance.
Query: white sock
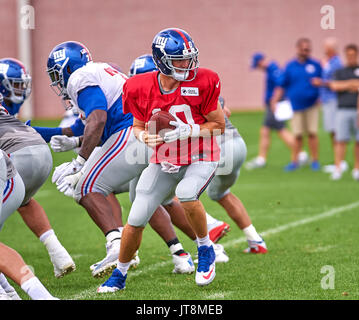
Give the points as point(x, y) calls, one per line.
point(113, 235)
point(176, 247)
point(251, 233)
point(5, 284)
point(46, 234)
point(210, 219)
point(120, 229)
point(52, 244)
point(204, 241)
point(123, 267)
point(35, 289)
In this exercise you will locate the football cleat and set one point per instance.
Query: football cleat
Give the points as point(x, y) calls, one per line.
point(106, 266)
point(217, 230)
point(206, 269)
point(256, 247)
point(183, 263)
point(3, 294)
point(62, 261)
point(116, 282)
point(13, 295)
point(221, 255)
point(135, 261)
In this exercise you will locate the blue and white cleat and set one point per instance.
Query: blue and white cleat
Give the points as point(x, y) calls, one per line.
point(206, 269)
point(221, 254)
point(116, 282)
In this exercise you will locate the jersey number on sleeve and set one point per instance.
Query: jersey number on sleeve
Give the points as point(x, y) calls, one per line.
point(111, 71)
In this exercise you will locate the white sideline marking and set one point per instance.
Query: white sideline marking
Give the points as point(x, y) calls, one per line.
point(91, 292)
point(294, 224)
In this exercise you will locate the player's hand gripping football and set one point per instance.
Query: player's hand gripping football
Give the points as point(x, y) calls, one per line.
point(182, 132)
point(152, 140)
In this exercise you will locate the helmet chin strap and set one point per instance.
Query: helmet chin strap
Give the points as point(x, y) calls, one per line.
point(180, 76)
point(16, 99)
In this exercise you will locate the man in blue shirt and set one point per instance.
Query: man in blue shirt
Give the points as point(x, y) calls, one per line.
point(273, 73)
point(296, 83)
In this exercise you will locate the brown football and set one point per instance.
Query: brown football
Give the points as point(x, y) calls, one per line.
point(160, 123)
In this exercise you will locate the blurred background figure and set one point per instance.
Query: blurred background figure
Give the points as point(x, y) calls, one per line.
point(328, 98)
point(346, 84)
point(270, 123)
point(296, 84)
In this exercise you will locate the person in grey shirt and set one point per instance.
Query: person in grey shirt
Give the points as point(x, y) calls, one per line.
point(12, 191)
point(32, 159)
point(346, 84)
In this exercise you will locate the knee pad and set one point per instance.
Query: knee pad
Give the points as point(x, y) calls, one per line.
point(187, 190)
point(142, 209)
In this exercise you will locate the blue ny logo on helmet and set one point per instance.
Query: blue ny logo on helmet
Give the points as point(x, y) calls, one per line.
point(15, 81)
point(63, 60)
point(142, 64)
point(175, 44)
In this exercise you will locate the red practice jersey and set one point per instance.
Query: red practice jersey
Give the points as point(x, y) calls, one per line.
point(190, 102)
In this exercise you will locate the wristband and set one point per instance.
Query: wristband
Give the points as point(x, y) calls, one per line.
point(77, 140)
point(195, 130)
point(81, 160)
point(140, 136)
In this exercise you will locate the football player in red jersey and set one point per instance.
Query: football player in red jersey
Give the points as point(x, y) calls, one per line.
point(185, 159)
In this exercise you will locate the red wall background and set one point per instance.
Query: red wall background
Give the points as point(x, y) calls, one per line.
point(226, 32)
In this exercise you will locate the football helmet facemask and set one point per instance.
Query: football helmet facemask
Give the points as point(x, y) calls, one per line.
point(64, 59)
point(15, 81)
point(175, 44)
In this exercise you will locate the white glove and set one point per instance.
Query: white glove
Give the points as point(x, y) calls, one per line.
point(169, 167)
point(68, 184)
point(67, 168)
point(64, 143)
point(182, 132)
point(59, 170)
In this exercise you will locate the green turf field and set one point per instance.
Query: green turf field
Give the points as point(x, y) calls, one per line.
point(308, 222)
